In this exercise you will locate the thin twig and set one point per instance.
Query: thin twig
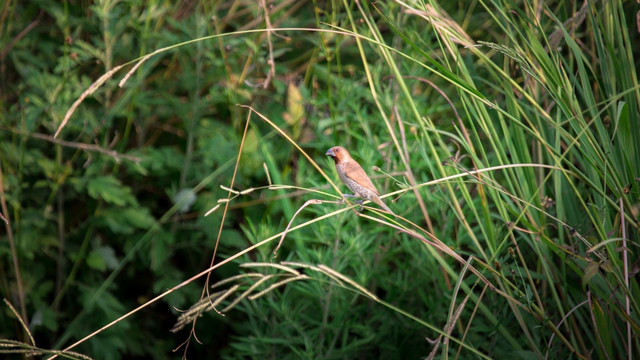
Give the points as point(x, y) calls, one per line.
point(412, 179)
point(272, 62)
point(24, 326)
point(14, 253)
point(86, 147)
point(454, 314)
point(205, 289)
point(22, 34)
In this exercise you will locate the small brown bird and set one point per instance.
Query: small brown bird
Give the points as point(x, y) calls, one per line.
point(352, 175)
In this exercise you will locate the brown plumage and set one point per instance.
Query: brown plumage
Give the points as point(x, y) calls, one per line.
point(352, 175)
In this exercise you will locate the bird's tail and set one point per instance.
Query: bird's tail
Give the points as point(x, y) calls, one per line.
point(378, 201)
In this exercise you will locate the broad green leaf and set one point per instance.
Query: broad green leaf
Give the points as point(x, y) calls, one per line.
point(95, 261)
point(590, 272)
point(111, 190)
point(124, 221)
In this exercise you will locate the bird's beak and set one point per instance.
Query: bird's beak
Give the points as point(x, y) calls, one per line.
point(330, 153)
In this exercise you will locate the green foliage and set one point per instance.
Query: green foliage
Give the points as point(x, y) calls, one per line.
point(531, 256)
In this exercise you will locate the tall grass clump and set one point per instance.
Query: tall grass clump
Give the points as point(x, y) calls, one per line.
point(537, 109)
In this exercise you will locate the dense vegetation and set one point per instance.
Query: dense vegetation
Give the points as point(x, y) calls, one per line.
point(142, 142)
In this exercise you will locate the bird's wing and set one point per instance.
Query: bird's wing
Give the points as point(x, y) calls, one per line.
point(354, 171)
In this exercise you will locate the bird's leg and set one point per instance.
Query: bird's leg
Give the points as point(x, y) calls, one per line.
point(355, 201)
point(346, 195)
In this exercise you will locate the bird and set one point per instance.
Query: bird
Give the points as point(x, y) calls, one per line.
point(352, 175)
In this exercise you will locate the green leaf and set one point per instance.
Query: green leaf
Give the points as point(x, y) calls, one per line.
point(102, 258)
point(95, 261)
point(124, 221)
point(110, 190)
point(602, 326)
point(590, 272)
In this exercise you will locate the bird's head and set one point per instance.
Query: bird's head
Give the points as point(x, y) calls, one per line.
point(338, 154)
